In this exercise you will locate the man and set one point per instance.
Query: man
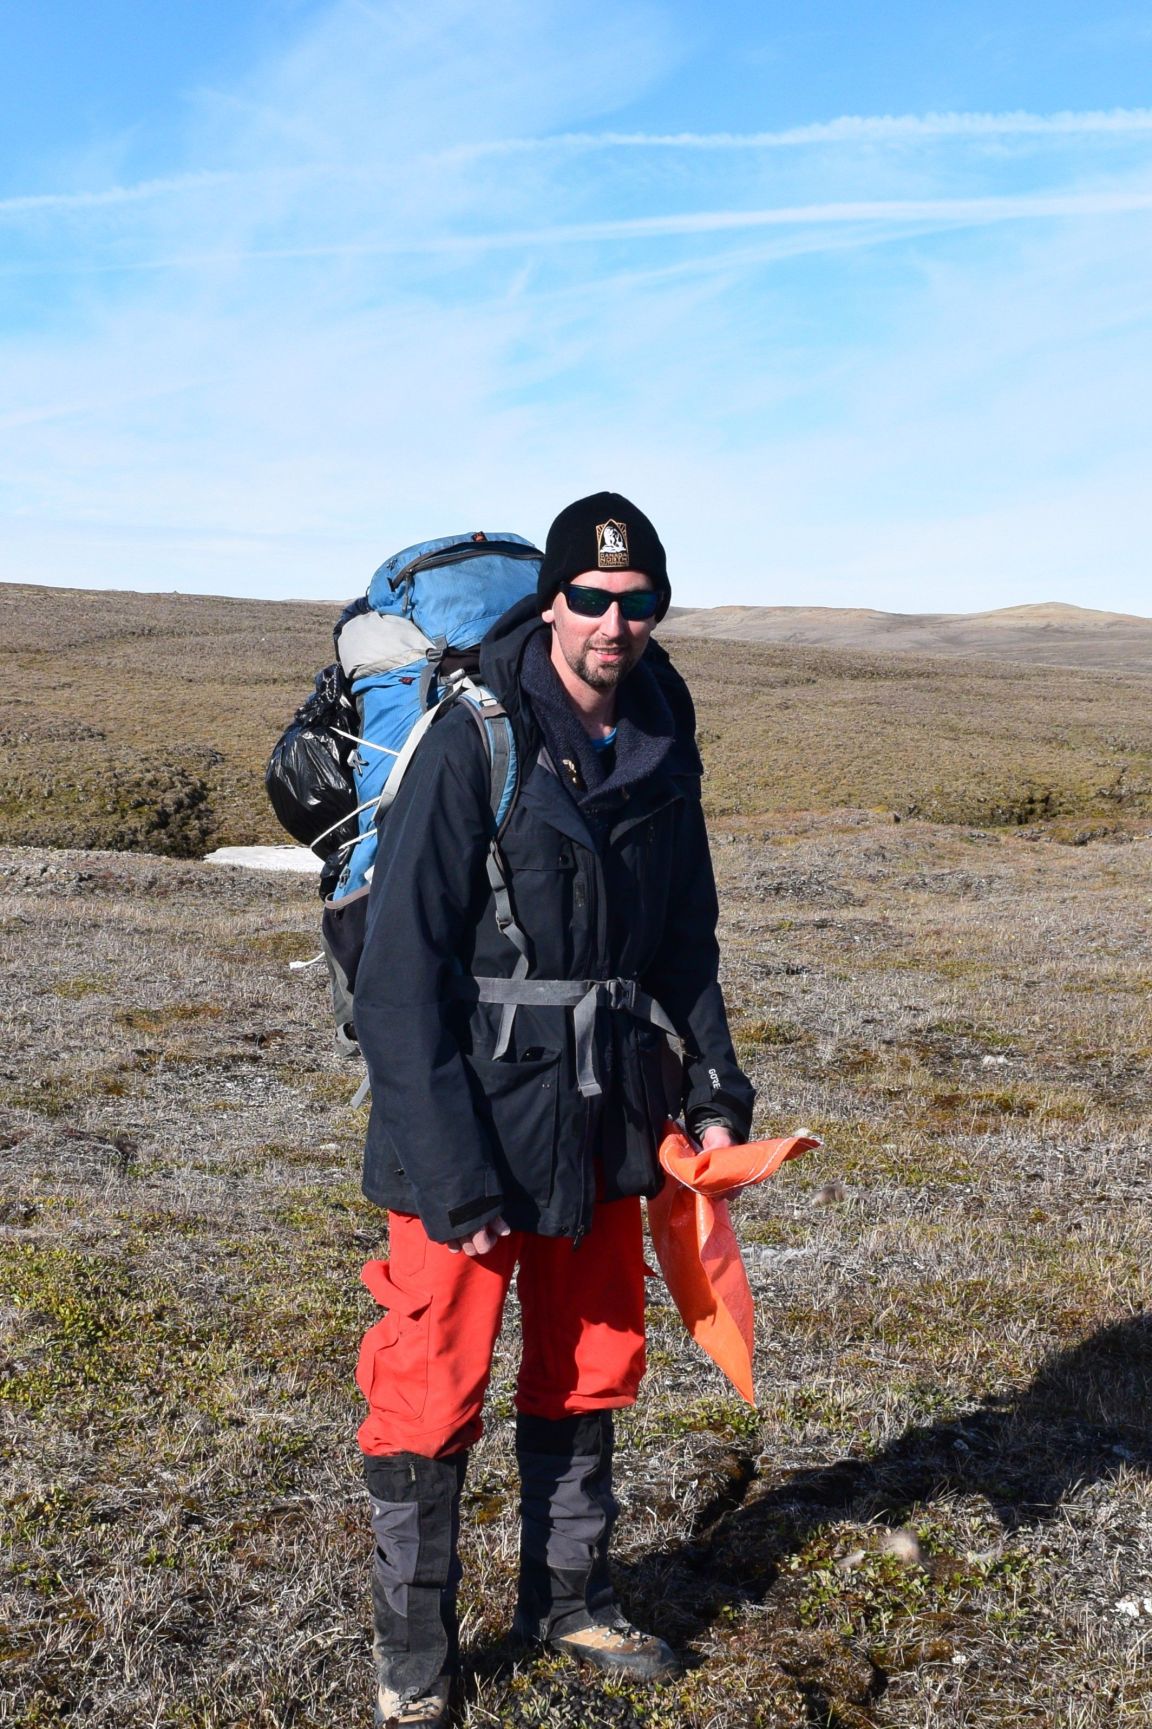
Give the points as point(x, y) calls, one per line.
point(512, 1003)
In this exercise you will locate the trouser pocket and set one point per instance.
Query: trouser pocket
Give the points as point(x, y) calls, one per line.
point(392, 1372)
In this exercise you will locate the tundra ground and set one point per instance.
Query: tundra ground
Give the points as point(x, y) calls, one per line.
point(940, 1512)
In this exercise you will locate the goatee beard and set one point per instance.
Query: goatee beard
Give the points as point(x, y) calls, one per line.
point(602, 677)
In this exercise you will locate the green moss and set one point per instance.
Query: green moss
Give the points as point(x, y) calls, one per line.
point(774, 1232)
point(282, 945)
point(760, 1032)
point(330, 1087)
point(877, 1153)
point(988, 1038)
point(832, 1409)
point(172, 1014)
point(84, 985)
point(730, 1418)
point(887, 1602)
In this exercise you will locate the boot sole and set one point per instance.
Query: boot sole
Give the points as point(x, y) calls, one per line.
point(521, 1640)
point(636, 1669)
point(621, 1671)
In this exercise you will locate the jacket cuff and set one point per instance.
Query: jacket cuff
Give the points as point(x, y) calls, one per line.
point(446, 1224)
point(730, 1102)
point(708, 1117)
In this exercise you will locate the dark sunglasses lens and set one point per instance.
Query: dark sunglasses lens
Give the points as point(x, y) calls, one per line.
point(588, 602)
point(635, 603)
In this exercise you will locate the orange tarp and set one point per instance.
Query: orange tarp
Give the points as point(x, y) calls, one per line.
point(696, 1246)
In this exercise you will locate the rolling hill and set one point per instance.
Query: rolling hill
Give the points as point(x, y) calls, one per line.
point(1049, 634)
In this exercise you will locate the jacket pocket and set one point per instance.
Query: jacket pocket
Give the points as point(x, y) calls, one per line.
point(519, 1103)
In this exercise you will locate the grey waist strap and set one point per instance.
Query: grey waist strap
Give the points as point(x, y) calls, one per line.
point(583, 997)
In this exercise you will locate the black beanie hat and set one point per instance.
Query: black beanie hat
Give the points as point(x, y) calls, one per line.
point(603, 532)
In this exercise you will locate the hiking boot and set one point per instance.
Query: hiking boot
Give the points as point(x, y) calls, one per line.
point(430, 1711)
point(612, 1644)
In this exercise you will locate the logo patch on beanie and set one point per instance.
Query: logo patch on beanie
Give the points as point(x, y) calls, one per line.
point(611, 546)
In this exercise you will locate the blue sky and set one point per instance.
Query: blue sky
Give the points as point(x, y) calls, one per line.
point(855, 301)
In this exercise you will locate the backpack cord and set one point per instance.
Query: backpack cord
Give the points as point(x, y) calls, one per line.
point(367, 805)
point(367, 742)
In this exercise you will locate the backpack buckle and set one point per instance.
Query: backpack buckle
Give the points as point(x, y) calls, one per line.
point(620, 993)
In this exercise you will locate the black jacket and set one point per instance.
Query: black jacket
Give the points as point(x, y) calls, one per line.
point(628, 892)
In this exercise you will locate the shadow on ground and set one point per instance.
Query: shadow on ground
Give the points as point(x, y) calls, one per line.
point(1085, 1416)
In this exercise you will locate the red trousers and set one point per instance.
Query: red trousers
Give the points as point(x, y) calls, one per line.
point(424, 1368)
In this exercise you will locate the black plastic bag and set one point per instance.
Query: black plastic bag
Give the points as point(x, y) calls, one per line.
point(309, 776)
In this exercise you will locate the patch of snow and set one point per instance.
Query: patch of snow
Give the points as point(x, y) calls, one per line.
point(266, 858)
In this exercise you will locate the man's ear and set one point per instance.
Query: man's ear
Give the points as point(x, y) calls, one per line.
point(549, 617)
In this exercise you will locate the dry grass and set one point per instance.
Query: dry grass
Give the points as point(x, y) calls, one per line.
point(952, 1296)
point(958, 1346)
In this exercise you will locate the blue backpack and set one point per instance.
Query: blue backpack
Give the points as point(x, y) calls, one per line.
point(409, 650)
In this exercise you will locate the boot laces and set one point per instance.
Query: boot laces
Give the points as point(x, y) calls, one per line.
point(429, 1709)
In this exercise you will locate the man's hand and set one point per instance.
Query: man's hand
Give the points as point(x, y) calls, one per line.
point(718, 1136)
point(480, 1241)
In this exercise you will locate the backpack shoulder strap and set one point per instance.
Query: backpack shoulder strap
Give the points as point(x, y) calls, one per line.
point(500, 743)
point(492, 717)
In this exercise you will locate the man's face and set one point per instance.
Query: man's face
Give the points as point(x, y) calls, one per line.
point(600, 651)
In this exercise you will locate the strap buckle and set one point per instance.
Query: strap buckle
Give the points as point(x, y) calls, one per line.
point(619, 993)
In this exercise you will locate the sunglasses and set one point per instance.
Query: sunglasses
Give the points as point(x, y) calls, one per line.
point(634, 603)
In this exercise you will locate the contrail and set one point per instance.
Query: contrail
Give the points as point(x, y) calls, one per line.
point(862, 213)
point(939, 211)
point(847, 129)
point(148, 191)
